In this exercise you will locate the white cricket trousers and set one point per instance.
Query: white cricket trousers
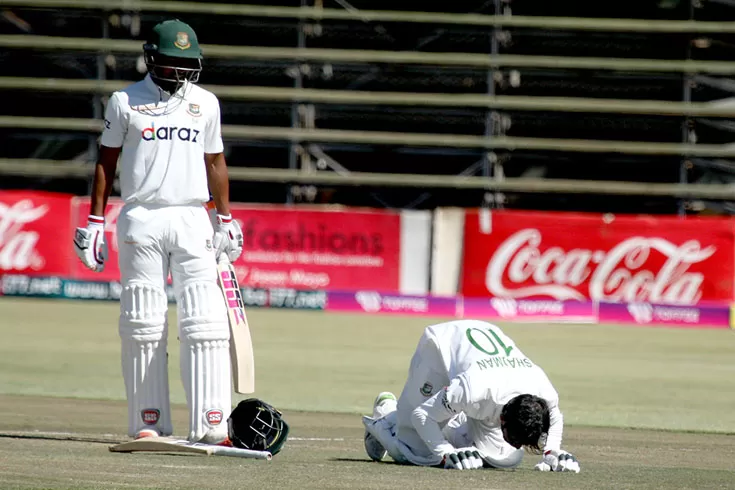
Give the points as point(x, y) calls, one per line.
point(154, 240)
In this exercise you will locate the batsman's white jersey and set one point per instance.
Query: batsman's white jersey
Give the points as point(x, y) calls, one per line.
point(163, 141)
point(164, 228)
point(461, 375)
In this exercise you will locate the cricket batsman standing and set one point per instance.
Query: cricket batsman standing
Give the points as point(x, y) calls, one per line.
point(472, 400)
point(166, 131)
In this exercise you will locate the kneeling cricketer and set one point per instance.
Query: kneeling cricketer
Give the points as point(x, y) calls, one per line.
point(472, 400)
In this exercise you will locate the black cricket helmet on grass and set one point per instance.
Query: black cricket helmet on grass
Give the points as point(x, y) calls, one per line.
point(257, 426)
point(172, 54)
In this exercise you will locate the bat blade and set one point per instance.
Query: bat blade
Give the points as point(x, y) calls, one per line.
point(172, 445)
point(241, 345)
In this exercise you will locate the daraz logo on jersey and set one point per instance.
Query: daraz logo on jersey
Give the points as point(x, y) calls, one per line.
point(169, 133)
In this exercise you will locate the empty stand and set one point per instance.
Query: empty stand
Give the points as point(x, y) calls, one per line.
point(356, 33)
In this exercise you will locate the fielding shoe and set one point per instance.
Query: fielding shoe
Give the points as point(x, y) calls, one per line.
point(384, 404)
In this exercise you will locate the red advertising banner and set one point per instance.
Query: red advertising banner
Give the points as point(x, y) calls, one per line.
point(576, 256)
point(33, 225)
point(286, 247)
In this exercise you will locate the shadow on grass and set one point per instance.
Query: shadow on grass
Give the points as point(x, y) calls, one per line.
point(366, 461)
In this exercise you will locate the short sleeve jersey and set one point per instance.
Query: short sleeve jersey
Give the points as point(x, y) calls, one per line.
point(163, 140)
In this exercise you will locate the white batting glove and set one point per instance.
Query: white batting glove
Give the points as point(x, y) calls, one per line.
point(90, 245)
point(227, 237)
point(467, 458)
point(558, 461)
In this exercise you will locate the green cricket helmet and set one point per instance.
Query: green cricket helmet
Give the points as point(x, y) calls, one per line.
point(172, 53)
point(257, 426)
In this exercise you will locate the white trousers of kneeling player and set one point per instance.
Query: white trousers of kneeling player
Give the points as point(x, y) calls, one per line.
point(154, 240)
point(423, 382)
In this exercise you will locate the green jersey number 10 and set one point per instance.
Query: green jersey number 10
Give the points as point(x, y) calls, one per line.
point(488, 342)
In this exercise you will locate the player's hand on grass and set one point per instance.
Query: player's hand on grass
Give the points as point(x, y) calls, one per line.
point(227, 237)
point(467, 458)
point(558, 461)
point(90, 245)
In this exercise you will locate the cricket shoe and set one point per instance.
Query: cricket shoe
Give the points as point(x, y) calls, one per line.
point(217, 437)
point(384, 404)
point(226, 443)
point(143, 433)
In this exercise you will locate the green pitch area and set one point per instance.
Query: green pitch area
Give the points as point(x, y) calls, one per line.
point(60, 377)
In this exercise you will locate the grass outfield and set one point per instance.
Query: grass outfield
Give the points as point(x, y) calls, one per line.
point(323, 369)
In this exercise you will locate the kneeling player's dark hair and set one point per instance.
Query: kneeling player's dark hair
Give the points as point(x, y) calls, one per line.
point(526, 421)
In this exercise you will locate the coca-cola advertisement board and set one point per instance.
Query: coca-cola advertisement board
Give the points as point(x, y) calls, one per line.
point(577, 256)
point(318, 249)
point(33, 225)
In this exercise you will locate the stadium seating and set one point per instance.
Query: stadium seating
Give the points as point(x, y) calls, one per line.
point(358, 34)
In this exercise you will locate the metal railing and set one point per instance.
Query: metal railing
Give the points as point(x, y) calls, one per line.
point(317, 14)
point(61, 168)
point(501, 102)
point(406, 139)
point(50, 43)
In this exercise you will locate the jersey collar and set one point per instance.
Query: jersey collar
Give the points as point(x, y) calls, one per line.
point(159, 92)
point(152, 87)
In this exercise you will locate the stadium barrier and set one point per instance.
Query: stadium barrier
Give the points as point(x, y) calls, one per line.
point(707, 316)
point(535, 267)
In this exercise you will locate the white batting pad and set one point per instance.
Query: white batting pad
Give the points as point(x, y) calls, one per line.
point(142, 329)
point(205, 360)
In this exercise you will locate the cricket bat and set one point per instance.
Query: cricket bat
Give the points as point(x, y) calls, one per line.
point(172, 445)
point(241, 345)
